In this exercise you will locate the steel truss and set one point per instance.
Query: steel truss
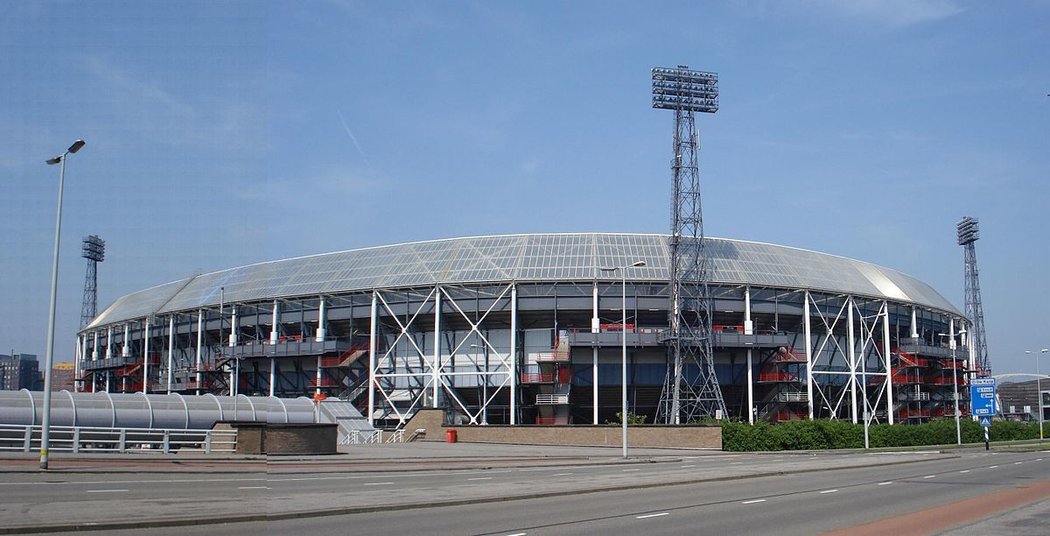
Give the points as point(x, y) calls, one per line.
point(687, 396)
point(406, 374)
point(848, 357)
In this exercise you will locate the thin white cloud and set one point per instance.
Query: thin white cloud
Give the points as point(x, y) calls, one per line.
point(895, 13)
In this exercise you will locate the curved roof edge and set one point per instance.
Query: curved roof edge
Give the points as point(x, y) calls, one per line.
point(540, 257)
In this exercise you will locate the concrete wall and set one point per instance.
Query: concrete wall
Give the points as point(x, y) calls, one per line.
point(684, 436)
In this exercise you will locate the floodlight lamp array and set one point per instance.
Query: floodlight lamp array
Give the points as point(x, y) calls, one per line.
point(94, 249)
point(683, 89)
point(967, 231)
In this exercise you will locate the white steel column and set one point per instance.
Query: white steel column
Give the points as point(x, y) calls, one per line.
point(125, 350)
point(595, 328)
point(372, 343)
point(514, 353)
point(914, 324)
point(886, 358)
point(109, 342)
point(321, 320)
point(235, 370)
point(809, 354)
point(748, 330)
point(435, 364)
point(275, 328)
point(145, 358)
point(852, 343)
point(171, 349)
point(94, 347)
point(76, 363)
point(275, 323)
point(200, 345)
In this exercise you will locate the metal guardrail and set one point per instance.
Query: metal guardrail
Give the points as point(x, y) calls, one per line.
point(78, 439)
point(373, 437)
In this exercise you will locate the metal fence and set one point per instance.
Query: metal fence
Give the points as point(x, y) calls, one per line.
point(78, 439)
point(373, 437)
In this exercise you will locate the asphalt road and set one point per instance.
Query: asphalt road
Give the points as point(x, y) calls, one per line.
point(812, 497)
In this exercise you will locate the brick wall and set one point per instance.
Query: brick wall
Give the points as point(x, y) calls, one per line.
point(683, 436)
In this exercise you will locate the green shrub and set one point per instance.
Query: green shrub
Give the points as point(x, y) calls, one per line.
point(828, 434)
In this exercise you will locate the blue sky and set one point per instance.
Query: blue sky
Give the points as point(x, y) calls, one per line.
point(224, 133)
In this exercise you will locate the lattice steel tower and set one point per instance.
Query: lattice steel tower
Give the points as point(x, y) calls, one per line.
point(95, 252)
point(691, 388)
point(968, 234)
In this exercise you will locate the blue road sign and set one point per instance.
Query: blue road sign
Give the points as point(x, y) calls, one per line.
point(985, 420)
point(982, 397)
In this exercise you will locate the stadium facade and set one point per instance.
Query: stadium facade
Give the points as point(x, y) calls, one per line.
point(526, 329)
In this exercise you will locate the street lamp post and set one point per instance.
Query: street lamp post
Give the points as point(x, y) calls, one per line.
point(49, 358)
point(623, 357)
point(955, 379)
point(1039, 388)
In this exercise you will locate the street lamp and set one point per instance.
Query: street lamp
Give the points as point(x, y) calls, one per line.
point(1039, 389)
point(623, 334)
point(50, 348)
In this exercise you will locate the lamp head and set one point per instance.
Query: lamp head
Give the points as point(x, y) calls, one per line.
point(76, 146)
point(638, 264)
point(53, 161)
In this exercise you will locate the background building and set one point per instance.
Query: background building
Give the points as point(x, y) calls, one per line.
point(20, 371)
point(526, 329)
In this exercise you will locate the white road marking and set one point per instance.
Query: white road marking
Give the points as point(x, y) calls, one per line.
point(1038, 459)
point(753, 501)
point(562, 474)
point(965, 471)
point(106, 490)
point(929, 476)
point(647, 516)
point(688, 466)
point(377, 483)
point(480, 478)
point(517, 534)
point(993, 466)
point(829, 491)
point(1018, 463)
point(258, 487)
point(629, 470)
point(885, 483)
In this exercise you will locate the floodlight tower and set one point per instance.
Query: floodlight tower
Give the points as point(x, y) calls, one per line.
point(686, 396)
point(968, 233)
point(94, 251)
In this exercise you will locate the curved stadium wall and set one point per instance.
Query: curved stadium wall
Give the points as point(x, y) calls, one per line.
point(526, 329)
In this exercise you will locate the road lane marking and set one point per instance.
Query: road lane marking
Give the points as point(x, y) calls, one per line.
point(256, 487)
point(753, 501)
point(629, 470)
point(106, 490)
point(377, 483)
point(829, 491)
point(964, 471)
point(562, 474)
point(885, 483)
point(929, 476)
point(688, 466)
point(481, 478)
point(518, 534)
point(647, 516)
point(1018, 463)
point(993, 467)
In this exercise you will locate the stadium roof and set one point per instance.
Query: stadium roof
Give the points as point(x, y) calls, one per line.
point(522, 258)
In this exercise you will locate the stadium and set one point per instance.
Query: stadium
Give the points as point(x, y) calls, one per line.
point(526, 329)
